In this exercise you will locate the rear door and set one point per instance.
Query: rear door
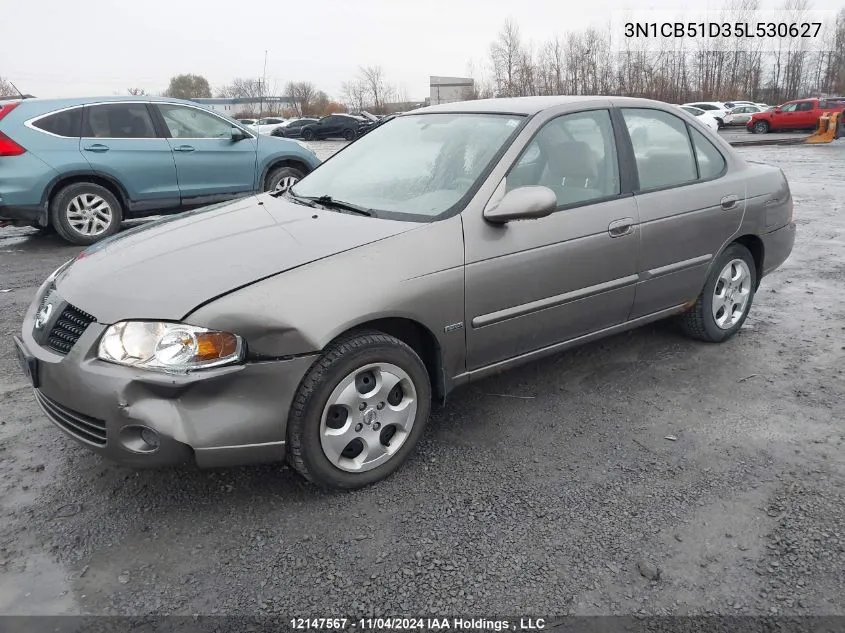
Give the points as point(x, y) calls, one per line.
point(210, 165)
point(688, 203)
point(120, 141)
point(807, 114)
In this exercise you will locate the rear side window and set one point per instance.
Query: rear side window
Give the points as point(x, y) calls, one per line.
point(118, 120)
point(66, 123)
point(661, 148)
point(711, 163)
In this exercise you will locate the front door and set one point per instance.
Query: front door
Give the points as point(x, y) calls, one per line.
point(120, 141)
point(533, 283)
point(785, 119)
point(688, 205)
point(209, 164)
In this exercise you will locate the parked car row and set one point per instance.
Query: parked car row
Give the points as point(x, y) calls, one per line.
point(81, 166)
point(339, 126)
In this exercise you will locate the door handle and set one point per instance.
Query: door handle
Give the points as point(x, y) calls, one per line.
point(729, 202)
point(183, 148)
point(618, 228)
point(96, 147)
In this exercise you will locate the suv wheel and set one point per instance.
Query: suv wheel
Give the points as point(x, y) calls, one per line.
point(760, 127)
point(84, 213)
point(308, 134)
point(281, 179)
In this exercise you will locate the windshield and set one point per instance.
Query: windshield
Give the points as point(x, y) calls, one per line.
point(414, 167)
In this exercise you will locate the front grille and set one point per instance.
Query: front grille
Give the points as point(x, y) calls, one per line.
point(87, 429)
point(68, 328)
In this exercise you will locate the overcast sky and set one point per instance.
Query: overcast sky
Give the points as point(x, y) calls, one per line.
point(102, 47)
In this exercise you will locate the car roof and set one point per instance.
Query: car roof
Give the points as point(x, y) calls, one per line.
point(532, 105)
point(47, 104)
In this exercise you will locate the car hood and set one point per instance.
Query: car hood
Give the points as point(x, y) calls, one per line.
point(167, 268)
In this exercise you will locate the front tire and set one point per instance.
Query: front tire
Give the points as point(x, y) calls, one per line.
point(281, 179)
point(307, 134)
point(723, 305)
point(84, 213)
point(359, 411)
point(760, 127)
point(349, 135)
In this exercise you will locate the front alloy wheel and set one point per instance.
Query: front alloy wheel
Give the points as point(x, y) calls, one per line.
point(359, 411)
point(368, 417)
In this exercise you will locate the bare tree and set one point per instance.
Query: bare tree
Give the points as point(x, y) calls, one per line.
point(355, 94)
point(136, 92)
point(301, 95)
point(505, 56)
point(377, 87)
point(245, 88)
point(6, 89)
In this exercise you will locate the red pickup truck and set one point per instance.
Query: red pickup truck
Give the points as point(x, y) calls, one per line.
point(794, 115)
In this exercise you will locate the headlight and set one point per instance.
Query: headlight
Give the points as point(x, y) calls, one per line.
point(172, 347)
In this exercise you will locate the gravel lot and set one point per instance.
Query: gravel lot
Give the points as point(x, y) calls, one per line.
point(551, 489)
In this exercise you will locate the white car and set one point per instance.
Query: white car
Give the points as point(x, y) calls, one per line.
point(703, 115)
point(716, 108)
point(742, 113)
point(267, 124)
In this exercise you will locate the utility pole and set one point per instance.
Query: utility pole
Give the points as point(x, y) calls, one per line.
point(263, 85)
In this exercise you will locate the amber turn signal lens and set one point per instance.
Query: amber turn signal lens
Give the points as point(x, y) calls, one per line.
point(213, 345)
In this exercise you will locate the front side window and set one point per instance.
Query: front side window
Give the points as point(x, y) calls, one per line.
point(415, 167)
point(789, 107)
point(662, 148)
point(574, 155)
point(804, 106)
point(66, 123)
point(186, 122)
point(118, 120)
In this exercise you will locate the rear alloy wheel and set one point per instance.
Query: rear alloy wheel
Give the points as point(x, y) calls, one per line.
point(281, 179)
point(349, 135)
point(723, 305)
point(760, 127)
point(359, 411)
point(85, 213)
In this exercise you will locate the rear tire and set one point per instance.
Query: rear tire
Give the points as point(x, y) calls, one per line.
point(84, 213)
point(726, 299)
point(384, 428)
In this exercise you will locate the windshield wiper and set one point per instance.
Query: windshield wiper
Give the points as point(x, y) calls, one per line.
point(328, 201)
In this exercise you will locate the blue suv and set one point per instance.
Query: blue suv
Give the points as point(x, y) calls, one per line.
point(81, 166)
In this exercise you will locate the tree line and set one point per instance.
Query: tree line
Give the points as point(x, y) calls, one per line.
point(583, 62)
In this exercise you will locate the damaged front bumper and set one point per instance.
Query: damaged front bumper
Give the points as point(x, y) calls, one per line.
point(223, 416)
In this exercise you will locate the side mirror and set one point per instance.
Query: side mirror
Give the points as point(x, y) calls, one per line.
point(777, 110)
point(238, 134)
point(523, 203)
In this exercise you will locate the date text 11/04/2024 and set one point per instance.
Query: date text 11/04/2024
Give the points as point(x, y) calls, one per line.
point(722, 29)
point(418, 624)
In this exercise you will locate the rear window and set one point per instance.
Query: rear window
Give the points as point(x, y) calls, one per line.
point(65, 123)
